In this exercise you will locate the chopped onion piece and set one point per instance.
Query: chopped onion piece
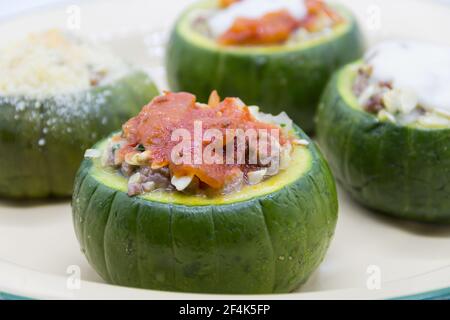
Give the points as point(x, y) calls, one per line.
point(433, 120)
point(384, 115)
point(409, 100)
point(235, 183)
point(254, 111)
point(135, 178)
point(202, 105)
point(285, 156)
point(392, 101)
point(409, 118)
point(366, 94)
point(301, 142)
point(256, 177)
point(144, 156)
point(92, 153)
point(442, 112)
point(136, 159)
point(134, 189)
point(159, 165)
point(181, 183)
point(273, 169)
point(282, 120)
point(131, 158)
point(402, 100)
point(239, 103)
point(149, 186)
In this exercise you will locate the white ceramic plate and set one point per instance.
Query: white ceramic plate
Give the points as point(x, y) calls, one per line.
point(39, 255)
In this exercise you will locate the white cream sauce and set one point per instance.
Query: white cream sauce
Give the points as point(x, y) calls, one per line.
point(421, 68)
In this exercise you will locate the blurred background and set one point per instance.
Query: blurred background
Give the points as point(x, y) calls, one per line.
point(8, 7)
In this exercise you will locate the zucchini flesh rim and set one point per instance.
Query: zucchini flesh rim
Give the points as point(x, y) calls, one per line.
point(345, 81)
point(301, 163)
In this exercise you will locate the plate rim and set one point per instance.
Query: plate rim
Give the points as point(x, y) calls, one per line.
point(393, 290)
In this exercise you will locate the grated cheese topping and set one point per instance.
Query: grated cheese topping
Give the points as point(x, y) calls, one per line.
point(53, 63)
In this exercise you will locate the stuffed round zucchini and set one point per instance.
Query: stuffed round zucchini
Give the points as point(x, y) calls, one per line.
point(274, 53)
point(244, 221)
point(58, 95)
point(384, 125)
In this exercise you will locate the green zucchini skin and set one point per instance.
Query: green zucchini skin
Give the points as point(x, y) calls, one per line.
point(290, 81)
point(398, 170)
point(268, 244)
point(43, 142)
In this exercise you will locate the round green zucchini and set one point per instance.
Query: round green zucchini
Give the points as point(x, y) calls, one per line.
point(287, 78)
point(400, 170)
point(42, 141)
point(267, 238)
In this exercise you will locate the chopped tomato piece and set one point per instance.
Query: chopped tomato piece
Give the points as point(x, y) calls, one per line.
point(333, 15)
point(213, 175)
point(316, 10)
point(317, 7)
point(314, 6)
point(275, 27)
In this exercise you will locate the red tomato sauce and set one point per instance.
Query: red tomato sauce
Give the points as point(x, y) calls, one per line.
point(275, 27)
point(154, 125)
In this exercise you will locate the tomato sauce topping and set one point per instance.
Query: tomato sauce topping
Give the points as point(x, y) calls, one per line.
point(154, 125)
point(275, 27)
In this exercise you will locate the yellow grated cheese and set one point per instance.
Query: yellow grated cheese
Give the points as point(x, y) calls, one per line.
point(52, 62)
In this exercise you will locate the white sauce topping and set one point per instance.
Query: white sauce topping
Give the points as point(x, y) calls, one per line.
point(52, 63)
point(418, 67)
point(220, 22)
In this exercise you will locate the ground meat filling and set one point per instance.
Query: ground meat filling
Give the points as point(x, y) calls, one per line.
point(144, 151)
point(277, 25)
point(371, 94)
point(388, 103)
point(406, 83)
